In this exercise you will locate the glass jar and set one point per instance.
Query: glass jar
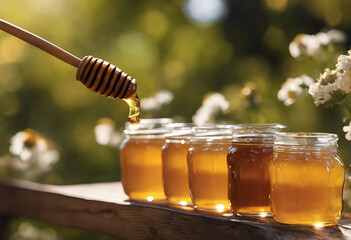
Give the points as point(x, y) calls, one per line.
point(207, 167)
point(248, 163)
point(307, 178)
point(174, 163)
point(141, 161)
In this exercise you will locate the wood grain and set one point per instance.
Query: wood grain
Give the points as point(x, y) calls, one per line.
point(104, 208)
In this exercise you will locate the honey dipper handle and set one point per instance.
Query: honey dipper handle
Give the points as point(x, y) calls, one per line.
point(39, 43)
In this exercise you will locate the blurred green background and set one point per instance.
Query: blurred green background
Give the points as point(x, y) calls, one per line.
point(164, 48)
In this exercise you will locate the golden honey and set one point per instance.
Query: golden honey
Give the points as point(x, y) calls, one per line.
point(207, 168)
point(248, 168)
point(175, 171)
point(134, 108)
point(141, 161)
point(307, 179)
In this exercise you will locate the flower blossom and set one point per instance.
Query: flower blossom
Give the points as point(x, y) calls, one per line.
point(161, 98)
point(33, 154)
point(326, 89)
point(331, 37)
point(333, 85)
point(105, 133)
point(310, 45)
point(347, 130)
point(343, 68)
point(293, 88)
point(304, 44)
point(212, 105)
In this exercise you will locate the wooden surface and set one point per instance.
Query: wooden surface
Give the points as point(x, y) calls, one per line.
point(104, 208)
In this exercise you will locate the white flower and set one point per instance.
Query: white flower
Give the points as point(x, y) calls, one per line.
point(323, 38)
point(156, 102)
point(322, 93)
point(327, 89)
point(164, 97)
point(347, 130)
point(331, 37)
point(336, 36)
point(33, 154)
point(211, 106)
point(310, 45)
point(292, 89)
point(105, 133)
point(304, 44)
point(343, 68)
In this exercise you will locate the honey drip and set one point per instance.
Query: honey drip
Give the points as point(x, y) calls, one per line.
point(134, 108)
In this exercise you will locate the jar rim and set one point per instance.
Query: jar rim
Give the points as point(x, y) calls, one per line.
point(178, 140)
point(258, 126)
point(211, 126)
point(179, 134)
point(175, 126)
point(246, 132)
point(152, 126)
point(212, 130)
point(305, 139)
point(215, 138)
point(258, 138)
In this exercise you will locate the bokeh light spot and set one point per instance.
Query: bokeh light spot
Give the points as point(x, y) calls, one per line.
point(205, 11)
point(319, 225)
point(274, 38)
point(154, 23)
point(9, 104)
point(11, 50)
point(220, 207)
point(277, 5)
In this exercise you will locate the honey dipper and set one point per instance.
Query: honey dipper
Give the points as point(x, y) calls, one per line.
point(96, 74)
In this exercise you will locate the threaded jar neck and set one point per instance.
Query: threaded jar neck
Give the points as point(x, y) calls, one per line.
point(294, 141)
point(216, 133)
point(179, 132)
point(258, 133)
point(148, 128)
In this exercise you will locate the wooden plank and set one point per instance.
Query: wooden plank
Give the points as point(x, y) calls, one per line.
point(104, 208)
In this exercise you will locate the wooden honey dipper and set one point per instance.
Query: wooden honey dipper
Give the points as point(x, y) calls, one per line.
point(96, 74)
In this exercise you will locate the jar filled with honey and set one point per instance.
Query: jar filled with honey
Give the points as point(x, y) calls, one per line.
point(207, 167)
point(174, 163)
point(248, 163)
point(141, 161)
point(307, 178)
